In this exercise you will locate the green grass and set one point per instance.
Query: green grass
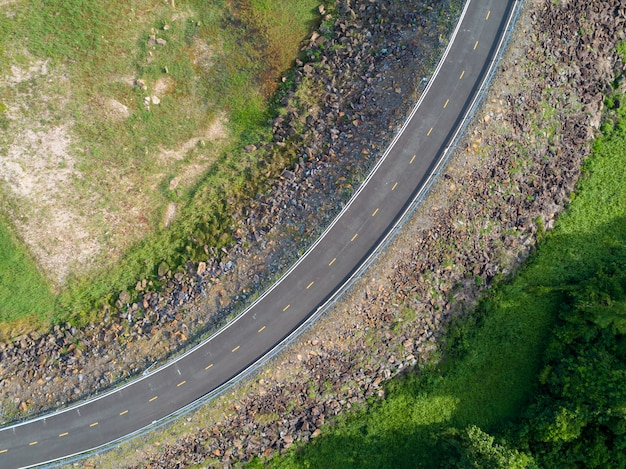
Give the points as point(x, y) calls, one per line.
point(23, 292)
point(493, 358)
point(221, 62)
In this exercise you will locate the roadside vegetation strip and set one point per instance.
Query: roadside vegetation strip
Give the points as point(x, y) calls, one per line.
point(491, 371)
point(157, 104)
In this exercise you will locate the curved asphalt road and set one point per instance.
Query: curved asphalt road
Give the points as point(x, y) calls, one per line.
point(366, 220)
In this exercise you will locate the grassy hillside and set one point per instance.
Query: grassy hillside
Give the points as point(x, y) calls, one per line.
point(493, 360)
point(123, 127)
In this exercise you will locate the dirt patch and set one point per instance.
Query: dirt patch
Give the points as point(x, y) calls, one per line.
point(163, 86)
point(216, 131)
point(170, 211)
point(10, 13)
point(37, 170)
point(189, 166)
point(116, 110)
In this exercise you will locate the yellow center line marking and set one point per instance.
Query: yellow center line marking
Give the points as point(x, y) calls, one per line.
point(332, 262)
point(286, 308)
point(236, 348)
point(153, 399)
point(262, 329)
point(476, 45)
point(446, 104)
point(462, 74)
point(488, 14)
point(412, 159)
point(180, 384)
point(375, 212)
point(394, 186)
point(3, 451)
point(93, 424)
point(124, 412)
point(63, 434)
point(309, 285)
point(32, 443)
point(355, 237)
point(429, 132)
point(206, 368)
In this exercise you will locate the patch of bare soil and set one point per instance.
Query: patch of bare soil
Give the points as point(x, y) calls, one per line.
point(516, 166)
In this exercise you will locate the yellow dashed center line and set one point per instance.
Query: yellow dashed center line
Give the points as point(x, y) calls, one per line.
point(286, 308)
point(446, 104)
point(124, 412)
point(180, 384)
point(235, 349)
point(152, 399)
point(375, 212)
point(309, 285)
point(476, 45)
point(462, 75)
point(262, 329)
point(429, 132)
point(93, 424)
point(488, 14)
point(32, 443)
point(3, 451)
point(394, 186)
point(412, 159)
point(209, 366)
point(332, 262)
point(63, 434)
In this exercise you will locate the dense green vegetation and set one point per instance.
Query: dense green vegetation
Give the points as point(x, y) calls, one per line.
point(222, 63)
point(535, 378)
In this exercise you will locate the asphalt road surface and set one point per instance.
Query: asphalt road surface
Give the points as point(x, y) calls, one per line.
point(337, 255)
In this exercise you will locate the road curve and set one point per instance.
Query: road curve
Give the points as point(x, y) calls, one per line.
point(396, 181)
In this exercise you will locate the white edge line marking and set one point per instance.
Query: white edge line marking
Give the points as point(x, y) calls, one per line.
point(229, 383)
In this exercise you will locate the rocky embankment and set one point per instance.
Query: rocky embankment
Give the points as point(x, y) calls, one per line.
point(362, 68)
